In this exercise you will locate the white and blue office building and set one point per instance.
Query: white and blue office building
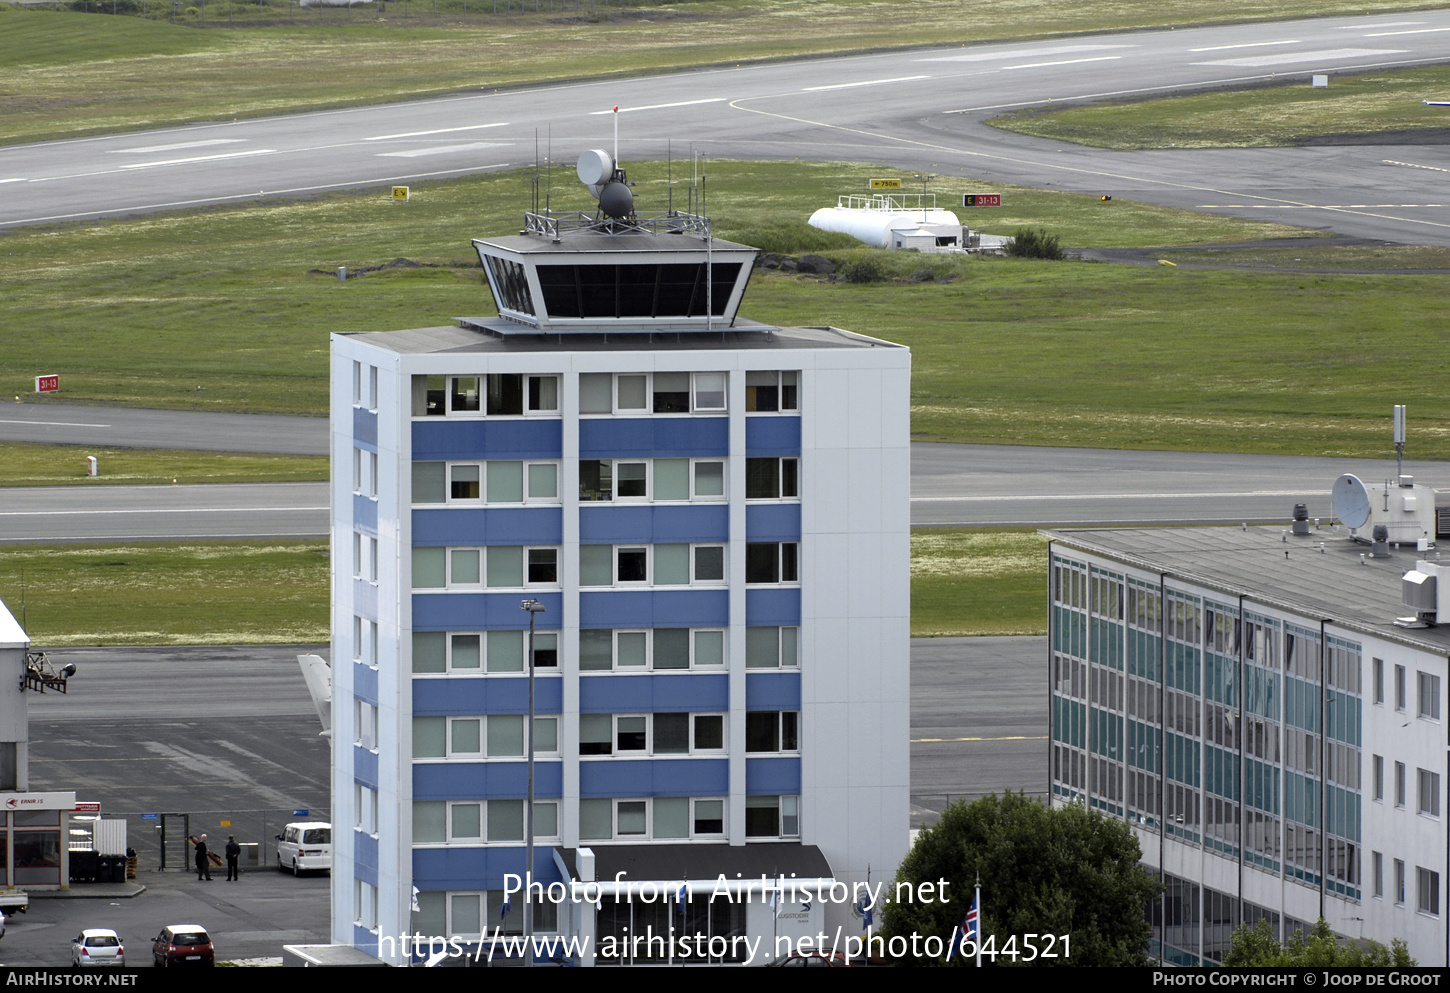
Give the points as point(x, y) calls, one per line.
point(713, 514)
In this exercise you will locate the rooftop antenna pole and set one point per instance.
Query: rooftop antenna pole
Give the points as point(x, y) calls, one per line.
point(670, 175)
point(549, 167)
point(1399, 439)
point(616, 136)
point(536, 171)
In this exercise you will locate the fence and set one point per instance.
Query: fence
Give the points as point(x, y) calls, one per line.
point(162, 840)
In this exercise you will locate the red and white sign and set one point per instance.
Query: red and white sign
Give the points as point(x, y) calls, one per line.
point(38, 801)
point(47, 384)
point(86, 808)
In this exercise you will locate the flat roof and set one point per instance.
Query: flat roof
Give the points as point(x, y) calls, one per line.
point(642, 243)
point(746, 336)
point(641, 863)
point(1341, 583)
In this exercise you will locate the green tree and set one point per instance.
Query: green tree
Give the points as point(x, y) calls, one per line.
point(1060, 871)
point(1256, 946)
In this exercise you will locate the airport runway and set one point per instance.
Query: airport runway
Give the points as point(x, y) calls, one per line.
point(913, 110)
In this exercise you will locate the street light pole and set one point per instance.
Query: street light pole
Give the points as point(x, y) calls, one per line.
point(533, 607)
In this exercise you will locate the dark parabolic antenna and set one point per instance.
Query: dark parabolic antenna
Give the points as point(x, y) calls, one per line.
point(1350, 501)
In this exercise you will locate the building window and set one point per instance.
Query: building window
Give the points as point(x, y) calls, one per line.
point(481, 651)
point(357, 384)
point(372, 648)
point(633, 394)
point(661, 480)
point(768, 392)
point(772, 817)
point(357, 470)
point(365, 898)
point(1429, 891)
point(659, 734)
point(1379, 777)
point(1399, 687)
point(772, 562)
point(1378, 861)
point(657, 565)
point(606, 650)
point(661, 818)
point(493, 567)
point(1429, 703)
point(496, 736)
point(493, 395)
point(373, 388)
point(772, 731)
point(1399, 784)
point(480, 483)
point(1399, 882)
point(1429, 790)
point(357, 555)
point(1378, 676)
point(475, 822)
point(772, 479)
point(365, 724)
point(772, 648)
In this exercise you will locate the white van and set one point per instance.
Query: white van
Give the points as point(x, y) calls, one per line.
point(305, 847)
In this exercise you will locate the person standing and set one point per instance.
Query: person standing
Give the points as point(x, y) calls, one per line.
point(203, 867)
point(234, 852)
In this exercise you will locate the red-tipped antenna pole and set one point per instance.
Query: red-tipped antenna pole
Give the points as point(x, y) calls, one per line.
point(616, 136)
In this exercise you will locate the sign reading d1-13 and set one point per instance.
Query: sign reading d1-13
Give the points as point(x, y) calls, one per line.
point(981, 199)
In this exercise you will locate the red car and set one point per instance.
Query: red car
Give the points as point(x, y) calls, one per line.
point(182, 944)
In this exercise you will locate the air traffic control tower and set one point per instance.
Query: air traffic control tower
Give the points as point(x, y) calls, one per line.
point(696, 529)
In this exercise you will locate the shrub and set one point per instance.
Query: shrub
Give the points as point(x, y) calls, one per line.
point(865, 270)
point(1034, 243)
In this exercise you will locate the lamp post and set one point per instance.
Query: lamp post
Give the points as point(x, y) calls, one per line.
point(534, 607)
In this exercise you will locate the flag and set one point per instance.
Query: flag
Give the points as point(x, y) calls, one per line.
point(968, 930)
point(681, 896)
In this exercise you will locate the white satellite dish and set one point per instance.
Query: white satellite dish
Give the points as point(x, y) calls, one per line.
point(1350, 501)
point(596, 167)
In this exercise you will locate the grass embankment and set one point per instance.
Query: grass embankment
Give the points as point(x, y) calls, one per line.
point(276, 592)
point(63, 465)
point(1289, 114)
point(196, 593)
point(216, 309)
point(65, 74)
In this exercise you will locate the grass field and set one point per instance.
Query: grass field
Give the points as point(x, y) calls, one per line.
point(63, 465)
point(198, 593)
point(978, 581)
point(276, 592)
point(217, 309)
point(65, 74)
point(1372, 103)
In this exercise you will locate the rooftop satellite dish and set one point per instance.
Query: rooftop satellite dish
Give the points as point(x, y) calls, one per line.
point(1350, 501)
point(596, 167)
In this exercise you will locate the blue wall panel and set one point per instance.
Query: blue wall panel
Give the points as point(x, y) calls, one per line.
point(484, 611)
point(486, 780)
point(365, 682)
point(772, 436)
point(764, 777)
point(491, 526)
point(653, 437)
point(605, 694)
point(480, 868)
point(772, 691)
point(772, 607)
point(654, 777)
point(458, 695)
point(364, 513)
point(365, 426)
point(652, 609)
point(770, 522)
point(365, 856)
point(365, 766)
point(603, 524)
point(522, 438)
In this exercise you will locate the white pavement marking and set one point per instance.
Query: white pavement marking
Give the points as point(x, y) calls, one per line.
point(1118, 496)
point(1247, 44)
point(420, 134)
point(57, 424)
point(199, 158)
point(864, 82)
point(658, 106)
point(1386, 24)
point(414, 153)
point(147, 149)
point(1289, 58)
point(1416, 165)
point(1316, 206)
point(1023, 53)
point(1388, 34)
point(1065, 62)
point(18, 179)
point(158, 510)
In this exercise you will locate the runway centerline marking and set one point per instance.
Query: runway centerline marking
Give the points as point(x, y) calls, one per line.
point(1390, 34)
point(148, 149)
point(157, 510)
point(1289, 58)
point(1247, 44)
point(1118, 496)
point(420, 134)
point(57, 424)
point(865, 82)
point(414, 153)
point(1065, 62)
point(1022, 53)
point(659, 106)
point(199, 158)
point(1415, 165)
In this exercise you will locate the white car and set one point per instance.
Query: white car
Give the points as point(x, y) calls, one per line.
point(305, 847)
point(97, 946)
